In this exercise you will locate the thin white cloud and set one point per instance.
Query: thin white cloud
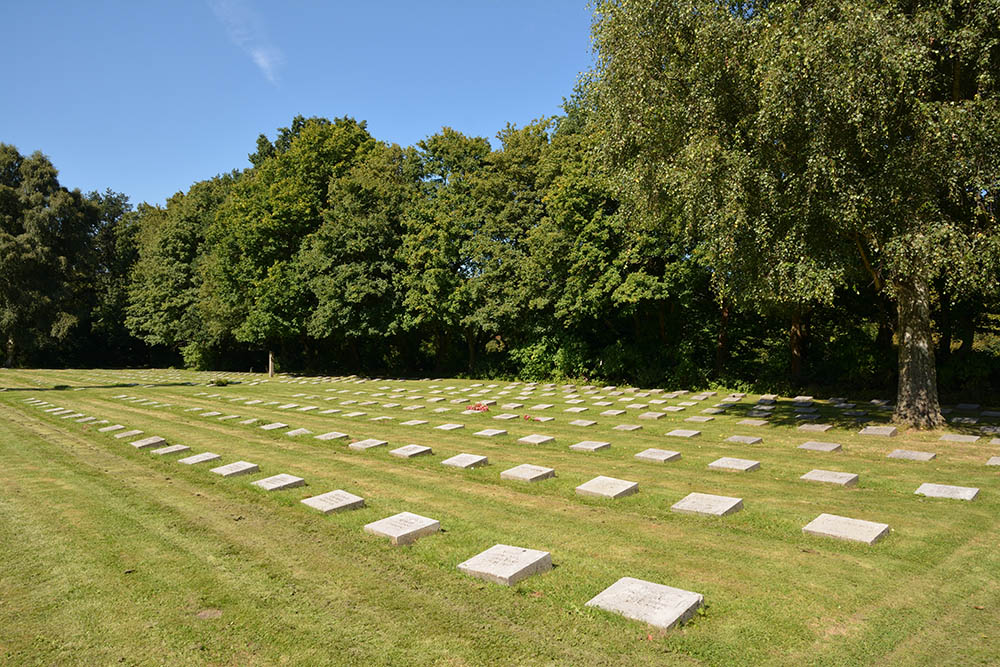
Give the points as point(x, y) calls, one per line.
point(246, 30)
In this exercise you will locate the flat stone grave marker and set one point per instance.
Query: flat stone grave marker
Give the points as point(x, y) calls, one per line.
point(651, 415)
point(362, 445)
point(607, 487)
point(528, 473)
point(332, 435)
point(831, 477)
point(354, 414)
point(952, 437)
point(507, 565)
point(816, 428)
point(151, 441)
point(204, 457)
point(730, 463)
point(414, 422)
point(288, 406)
point(542, 406)
point(883, 431)
point(109, 429)
point(699, 419)
point(466, 461)
point(536, 439)
point(279, 482)
point(506, 416)
point(273, 426)
point(490, 432)
point(403, 528)
point(226, 417)
point(658, 605)
point(947, 491)
point(627, 427)
point(752, 422)
point(590, 446)
point(72, 415)
point(844, 528)
point(744, 439)
point(582, 422)
point(511, 406)
point(967, 407)
point(910, 455)
point(993, 461)
point(298, 431)
point(820, 446)
point(409, 451)
point(210, 413)
point(683, 433)
point(334, 501)
point(128, 434)
point(708, 505)
point(714, 411)
point(172, 449)
point(576, 410)
point(236, 469)
point(964, 420)
point(86, 420)
point(612, 413)
point(658, 455)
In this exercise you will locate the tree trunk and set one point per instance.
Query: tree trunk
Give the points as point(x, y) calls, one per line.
point(917, 396)
point(470, 343)
point(722, 341)
point(945, 327)
point(9, 362)
point(270, 363)
point(796, 346)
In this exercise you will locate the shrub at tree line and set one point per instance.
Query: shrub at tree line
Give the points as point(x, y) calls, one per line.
point(761, 194)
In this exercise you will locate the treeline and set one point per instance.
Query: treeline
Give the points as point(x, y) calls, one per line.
point(343, 253)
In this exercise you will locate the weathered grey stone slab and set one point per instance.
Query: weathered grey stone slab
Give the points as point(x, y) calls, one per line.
point(910, 455)
point(612, 413)
point(658, 605)
point(204, 457)
point(507, 565)
point(541, 406)
point(707, 504)
point(953, 437)
point(210, 413)
point(831, 477)
point(590, 446)
point(528, 473)
point(109, 429)
point(993, 461)
point(658, 455)
point(236, 469)
point(967, 407)
point(409, 451)
point(151, 441)
point(820, 446)
point(354, 414)
point(607, 487)
point(730, 463)
point(627, 427)
point(334, 501)
point(674, 408)
point(466, 461)
point(843, 528)
point(512, 406)
point(543, 419)
point(651, 415)
point(85, 420)
point(279, 482)
point(506, 416)
point(536, 439)
point(450, 427)
point(362, 445)
point(752, 422)
point(576, 410)
point(298, 431)
point(947, 491)
point(582, 422)
point(332, 435)
point(128, 434)
point(884, 431)
point(490, 432)
point(403, 528)
point(815, 428)
point(700, 419)
point(683, 433)
point(273, 426)
point(744, 439)
point(252, 420)
point(172, 449)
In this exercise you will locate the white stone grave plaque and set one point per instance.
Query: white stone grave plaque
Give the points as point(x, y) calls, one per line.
point(815, 428)
point(528, 473)
point(658, 455)
point(576, 410)
point(449, 427)
point(354, 414)
point(236, 469)
point(279, 482)
point(700, 419)
point(172, 449)
point(210, 413)
point(273, 426)
point(651, 415)
point(506, 416)
point(590, 446)
point(947, 491)
point(334, 501)
point(744, 439)
point(535, 439)
point(820, 446)
point(128, 434)
point(298, 431)
point(332, 435)
point(752, 422)
point(910, 455)
point(109, 429)
point(627, 427)
point(466, 461)
point(729, 463)
point(204, 457)
point(831, 477)
point(403, 528)
point(884, 431)
point(707, 504)
point(952, 437)
point(151, 441)
point(843, 528)
point(658, 605)
point(541, 406)
point(612, 413)
point(607, 487)
point(582, 422)
point(369, 443)
point(490, 432)
point(993, 461)
point(247, 422)
point(507, 565)
point(409, 451)
point(683, 433)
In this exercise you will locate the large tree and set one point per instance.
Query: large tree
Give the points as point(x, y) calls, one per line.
point(803, 143)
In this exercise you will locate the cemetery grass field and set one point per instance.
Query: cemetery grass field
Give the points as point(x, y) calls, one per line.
point(113, 554)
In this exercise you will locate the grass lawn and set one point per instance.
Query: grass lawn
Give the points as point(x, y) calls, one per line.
point(113, 554)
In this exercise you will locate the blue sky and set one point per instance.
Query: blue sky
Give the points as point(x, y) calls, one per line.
point(146, 98)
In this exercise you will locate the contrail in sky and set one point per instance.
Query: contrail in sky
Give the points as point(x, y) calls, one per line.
point(246, 29)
